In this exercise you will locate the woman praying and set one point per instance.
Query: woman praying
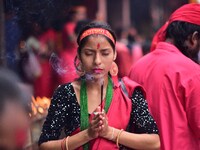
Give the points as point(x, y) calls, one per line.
point(98, 111)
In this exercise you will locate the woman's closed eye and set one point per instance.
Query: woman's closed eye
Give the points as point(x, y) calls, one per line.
point(105, 53)
point(89, 53)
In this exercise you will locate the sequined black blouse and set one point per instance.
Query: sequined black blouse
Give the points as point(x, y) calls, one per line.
point(64, 113)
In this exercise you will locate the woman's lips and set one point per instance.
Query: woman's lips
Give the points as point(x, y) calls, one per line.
point(97, 70)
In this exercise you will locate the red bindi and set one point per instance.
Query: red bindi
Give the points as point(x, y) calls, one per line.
point(98, 46)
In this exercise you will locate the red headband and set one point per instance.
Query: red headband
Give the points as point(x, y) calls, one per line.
point(188, 13)
point(97, 31)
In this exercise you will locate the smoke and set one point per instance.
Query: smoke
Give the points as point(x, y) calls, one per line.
point(91, 77)
point(60, 66)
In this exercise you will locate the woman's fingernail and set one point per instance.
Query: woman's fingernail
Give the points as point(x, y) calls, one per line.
point(95, 113)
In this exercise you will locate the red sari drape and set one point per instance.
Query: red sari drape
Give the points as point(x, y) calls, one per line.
point(118, 113)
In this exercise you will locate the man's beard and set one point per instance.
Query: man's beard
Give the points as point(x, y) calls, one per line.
point(193, 54)
point(199, 57)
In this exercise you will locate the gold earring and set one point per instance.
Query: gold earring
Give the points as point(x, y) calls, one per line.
point(114, 69)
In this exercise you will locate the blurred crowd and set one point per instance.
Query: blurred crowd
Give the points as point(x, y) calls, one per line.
point(44, 56)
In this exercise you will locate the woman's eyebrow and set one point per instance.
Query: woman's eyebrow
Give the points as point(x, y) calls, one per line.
point(105, 49)
point(88, 49)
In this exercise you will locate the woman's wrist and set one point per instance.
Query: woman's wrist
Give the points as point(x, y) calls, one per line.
point(118, 136)
point(110, 134)
point(88, 137)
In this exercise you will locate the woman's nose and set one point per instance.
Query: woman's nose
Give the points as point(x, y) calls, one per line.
point(97, 59)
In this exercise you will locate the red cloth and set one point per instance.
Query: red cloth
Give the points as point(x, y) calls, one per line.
point(65, 72)
point(125, 59)
point(43, 85)
point(171, 81)
point(47, 37)
point(67, 63)
point(188, 13)
point(121, 106)
point(67, 55)
point(69, 35)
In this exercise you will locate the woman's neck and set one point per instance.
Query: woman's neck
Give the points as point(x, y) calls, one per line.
point(96, 84)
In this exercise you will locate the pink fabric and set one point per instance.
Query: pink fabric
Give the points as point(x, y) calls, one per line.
point(67, 62)
point(43, 86)
point(188, 13)
point(67, 54)
point(118, 114)
point(172, 81)
point(125, 59)
point(136, 53)
point(48, 36)
point(68, 33)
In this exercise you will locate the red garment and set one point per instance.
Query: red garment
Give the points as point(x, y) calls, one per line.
point(119, 106)
point(125, 58)
point(172, 84)
point(187, 13)
point(63, 71)
point(67, 55)
point(69, 35)
point(43, 86)
point(67, 64)
point(47, 37)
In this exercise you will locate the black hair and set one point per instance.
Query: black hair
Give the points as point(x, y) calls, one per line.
point(10, 90)
point(80, 24)
point(95, 24)
point(146, 47)
point(179, 31)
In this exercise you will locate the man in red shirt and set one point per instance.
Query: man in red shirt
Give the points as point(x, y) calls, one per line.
point(170, 74)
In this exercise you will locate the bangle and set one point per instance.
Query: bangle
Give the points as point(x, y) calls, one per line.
point(118, 135)
point(66, 146)
point(63, 144)
point(112, 135)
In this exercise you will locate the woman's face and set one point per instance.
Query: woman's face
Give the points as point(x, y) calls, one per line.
point(97, 56)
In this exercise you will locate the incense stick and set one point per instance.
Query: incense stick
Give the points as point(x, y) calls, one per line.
point(101, 96)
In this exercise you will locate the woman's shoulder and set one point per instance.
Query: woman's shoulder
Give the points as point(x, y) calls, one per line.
point(72, 88)
point(76, 85)
point(63, 89)
point(131, 86)
point(64, 93)
point(64, 86)
point(130, 82)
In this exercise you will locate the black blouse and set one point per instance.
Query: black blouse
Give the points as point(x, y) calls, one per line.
point(64, 114)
